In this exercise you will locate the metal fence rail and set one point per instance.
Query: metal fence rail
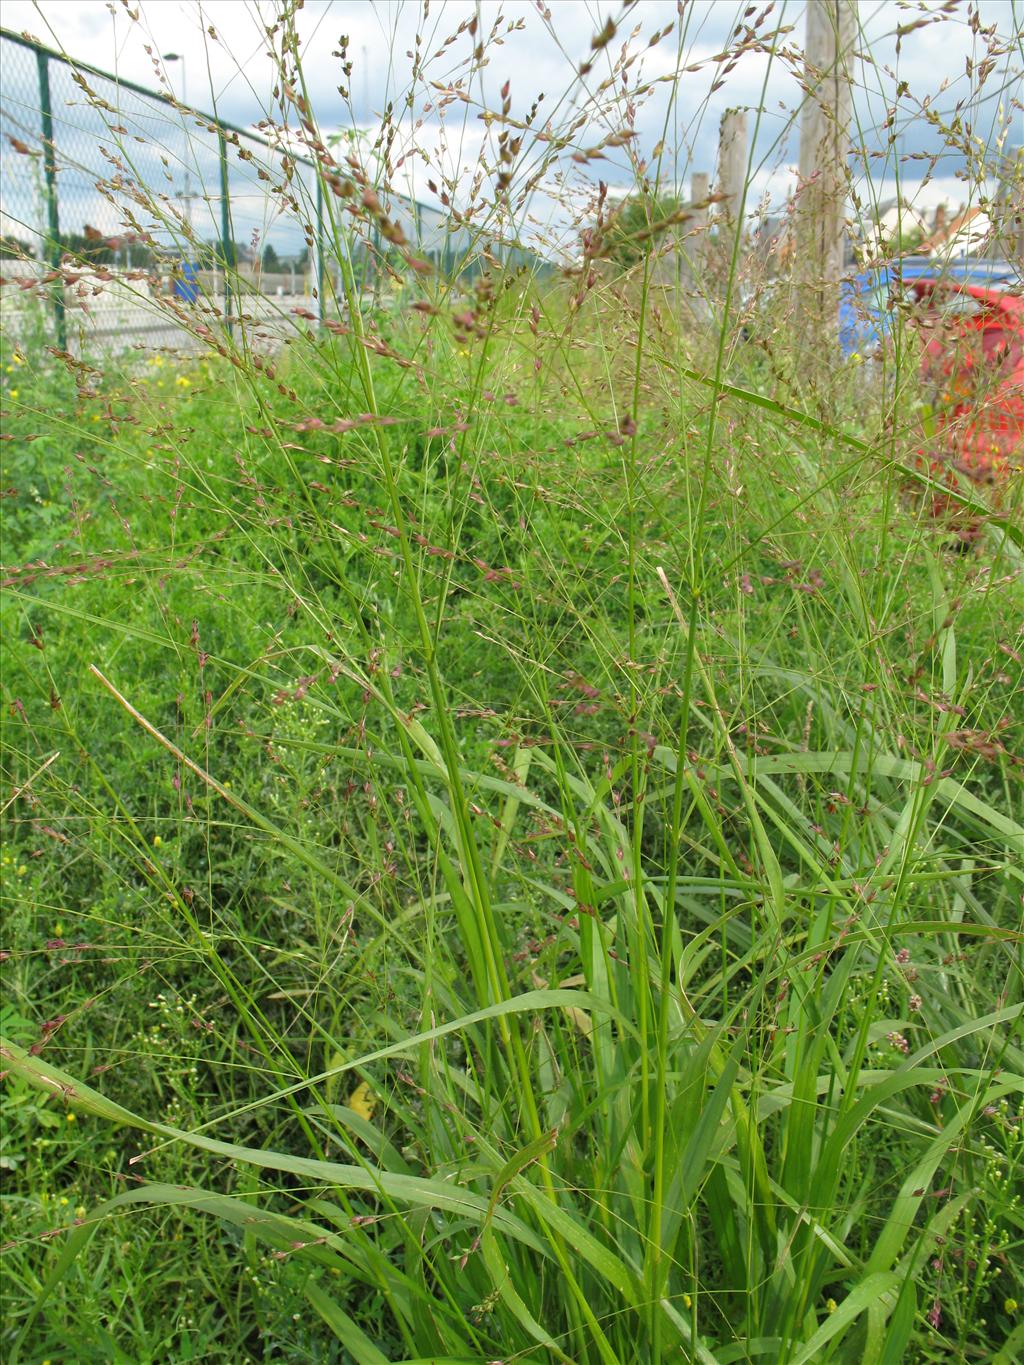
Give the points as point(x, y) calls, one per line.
point(96, 167)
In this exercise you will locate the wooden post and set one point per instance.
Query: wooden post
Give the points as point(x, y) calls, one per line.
point(694, 246)
point(830, 42)
point(700, 188)
point(732, 166)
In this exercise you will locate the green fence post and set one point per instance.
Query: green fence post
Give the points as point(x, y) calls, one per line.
point(226, 241)
point(320, 246)
point(50, 176)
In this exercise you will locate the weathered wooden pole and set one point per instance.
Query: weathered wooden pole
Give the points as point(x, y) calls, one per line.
point(700, 188)
point(694, 244)
point(697, 223)
point(830, 43)
point(732, 166)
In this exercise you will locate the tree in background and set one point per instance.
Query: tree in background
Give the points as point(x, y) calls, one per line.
point(639, 224)
point(98, 249)
point(13, 248)
point(269, 260)
point(88, 246)
point(902, 242)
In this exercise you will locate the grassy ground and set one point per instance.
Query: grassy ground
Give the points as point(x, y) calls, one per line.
point(534, 874)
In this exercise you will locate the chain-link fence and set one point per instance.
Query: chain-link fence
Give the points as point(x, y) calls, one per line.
point(173, 204)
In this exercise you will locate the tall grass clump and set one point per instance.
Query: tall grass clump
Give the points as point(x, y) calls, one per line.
point(512, 803)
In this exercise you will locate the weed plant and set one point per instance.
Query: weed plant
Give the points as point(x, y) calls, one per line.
point(512, 798)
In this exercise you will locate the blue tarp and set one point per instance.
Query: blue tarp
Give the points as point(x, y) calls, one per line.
point(186, 282)
point(866, 315)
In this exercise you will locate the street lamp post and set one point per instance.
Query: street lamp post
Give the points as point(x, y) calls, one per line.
point(180, 57)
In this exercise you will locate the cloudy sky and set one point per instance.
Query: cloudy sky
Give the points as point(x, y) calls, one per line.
point(539, 56)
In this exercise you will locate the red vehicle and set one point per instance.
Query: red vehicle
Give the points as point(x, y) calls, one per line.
point(973, 368)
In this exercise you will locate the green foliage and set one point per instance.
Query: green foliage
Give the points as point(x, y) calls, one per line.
point(94, 247)
point(15, 248)
point(438, 790)
point(639, 225)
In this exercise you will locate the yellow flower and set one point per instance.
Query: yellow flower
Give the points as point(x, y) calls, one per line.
point(687, 1301)
point(22, 869)
point(72, 1118)
point(81, 1211)
point(1011, 1305)
point(830, 1305)
point(362, 1101)
point(157, 841)
point(14, 393)
point(95, 417)
point(182, 382)
point(18, 359)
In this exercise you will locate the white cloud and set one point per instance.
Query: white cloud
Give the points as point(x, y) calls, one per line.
point(235, 73)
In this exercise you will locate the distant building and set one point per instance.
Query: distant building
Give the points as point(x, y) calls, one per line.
point(964, 233)
point(896, 226)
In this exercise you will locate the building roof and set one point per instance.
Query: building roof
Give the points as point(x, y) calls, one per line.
point(970, 222)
